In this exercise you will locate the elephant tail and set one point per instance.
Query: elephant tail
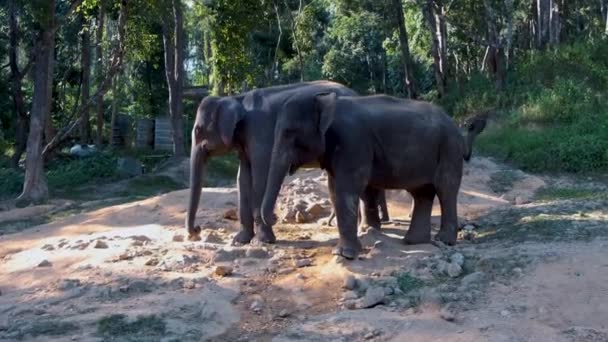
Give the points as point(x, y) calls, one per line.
point(474, 126)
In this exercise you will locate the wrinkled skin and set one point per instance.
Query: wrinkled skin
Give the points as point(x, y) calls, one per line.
point(244, 123)
point(372, 143)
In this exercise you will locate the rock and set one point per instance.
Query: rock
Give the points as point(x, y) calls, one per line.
point(223, 271)
point(302, 262)
point(505, 313)
point(45, 263)
point(518, 271)
point(152, 262)
point(454, 270)
point(363, 283)
point(373, 296)
point(231, 214)
point(519, 200)
point(457, 258)
point(211, 237)
point(100, 244)
point(285, 270)
point(350, 282)
point(68, 284)
point(351, 304)
point(48, 247)
point(256, 253)
point(130, 166)
point(300, 276)
point(178, 238)
point(468, 227)
point(257, 305)
point(283, 313)
point(350, 295)
point(473, 279)
point(178, 262)
point(447, 315)
point(228, 254)
point(189, 284)
point(389, 291)
point(315, 210)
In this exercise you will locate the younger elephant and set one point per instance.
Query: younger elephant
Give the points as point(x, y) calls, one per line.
point(371, 143)
point(384, 217)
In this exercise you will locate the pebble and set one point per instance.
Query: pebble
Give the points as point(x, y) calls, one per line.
point(473, 279)
point(302, 262)
point(373, 296)
point(152, 262)
point(211, 237)
point(454, 270)
point(45, 263)
point(283, 313)
point(231, 214)
point(350, 304)
point(362, 283)
point(139, 286)
point(468, 227)
point(189, 284)
point(257, 305)
point(457, 258)
point(300, 276)
point(519, 200)
point(256, 253)
point(223, 271)
point(178, 238)
point(505, 313)
point(100, 244)
point(447, 315)
point(350, 282)
point(48, 247)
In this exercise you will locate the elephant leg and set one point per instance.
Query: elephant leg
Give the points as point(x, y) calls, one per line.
point(383, 207)
point(260, 163)
point(346, 201)
point(370, 213)
point(447, 191)
point(420, 226)
point(246, 232)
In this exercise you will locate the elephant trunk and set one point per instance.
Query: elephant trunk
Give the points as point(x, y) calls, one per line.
point(198, 158)
point(475, 126)
point(279, 166)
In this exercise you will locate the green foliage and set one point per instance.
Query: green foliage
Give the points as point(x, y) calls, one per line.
point(559, 193)
point(408, 283)
point(11, 182)
point(99, 167)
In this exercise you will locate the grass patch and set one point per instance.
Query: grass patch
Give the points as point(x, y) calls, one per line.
point(551, 194)
point(150, 186)
point(11, 227)
point(408, 283)
point(502, 181)
point(118, 325)
point(11, 183)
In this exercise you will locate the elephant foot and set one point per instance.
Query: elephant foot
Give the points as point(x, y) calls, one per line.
point(449, 238)
point(243, 237)
point(348, 251)
point(413, 238)
point(266, 235)
point(194, 234)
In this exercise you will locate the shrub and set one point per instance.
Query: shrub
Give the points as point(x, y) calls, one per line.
point(11, 182)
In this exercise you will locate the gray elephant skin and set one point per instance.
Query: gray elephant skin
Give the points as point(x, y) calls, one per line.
point(245, 123)
point(371, 143)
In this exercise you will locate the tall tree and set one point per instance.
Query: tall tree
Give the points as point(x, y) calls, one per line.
point(409, 84)
point(434, 13)
point(21, 118)
point(35, 187)
point(173, 42)
point(85, 66)
point(99, 109)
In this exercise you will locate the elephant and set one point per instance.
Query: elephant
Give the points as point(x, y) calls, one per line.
point(384, 216)
point(244, 123)
point(367, 144)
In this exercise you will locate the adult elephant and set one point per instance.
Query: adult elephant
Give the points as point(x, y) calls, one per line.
point(244, 123)
point(372, 143)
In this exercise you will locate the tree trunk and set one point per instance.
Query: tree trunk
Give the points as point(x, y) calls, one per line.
point(173, 42)
point(409, 85)
point(429, 14)
point(295, 38)
point(21, 119)
point(554, 22)
point(99, 70)
point(495, 52)
point(543, 10)
point(85, 65)
point(35, 187)
point(509, 9)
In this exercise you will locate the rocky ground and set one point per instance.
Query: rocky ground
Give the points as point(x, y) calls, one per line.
point(530, 265)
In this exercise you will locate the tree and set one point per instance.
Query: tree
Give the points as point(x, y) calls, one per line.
point(435, 17)
point(173, 42)
point(35, 188)
point(99, 109)
point(409, 84)
point(85, 66)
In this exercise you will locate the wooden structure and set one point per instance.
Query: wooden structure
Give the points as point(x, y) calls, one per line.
point(144, 137)
point(163, 139)
point(122, 131)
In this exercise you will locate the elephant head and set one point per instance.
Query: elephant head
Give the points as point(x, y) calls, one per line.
point(299, 139)
point(212, 134)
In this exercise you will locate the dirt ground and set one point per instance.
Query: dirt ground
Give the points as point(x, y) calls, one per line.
point(530, 265)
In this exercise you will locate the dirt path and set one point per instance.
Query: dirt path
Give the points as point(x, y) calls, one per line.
point(526, 268)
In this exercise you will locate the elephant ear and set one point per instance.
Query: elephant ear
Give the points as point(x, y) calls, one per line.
point(228, 114)
point(326, 108)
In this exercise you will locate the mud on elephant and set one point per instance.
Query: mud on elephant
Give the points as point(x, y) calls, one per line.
point(244, 123)
point(372, 143)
